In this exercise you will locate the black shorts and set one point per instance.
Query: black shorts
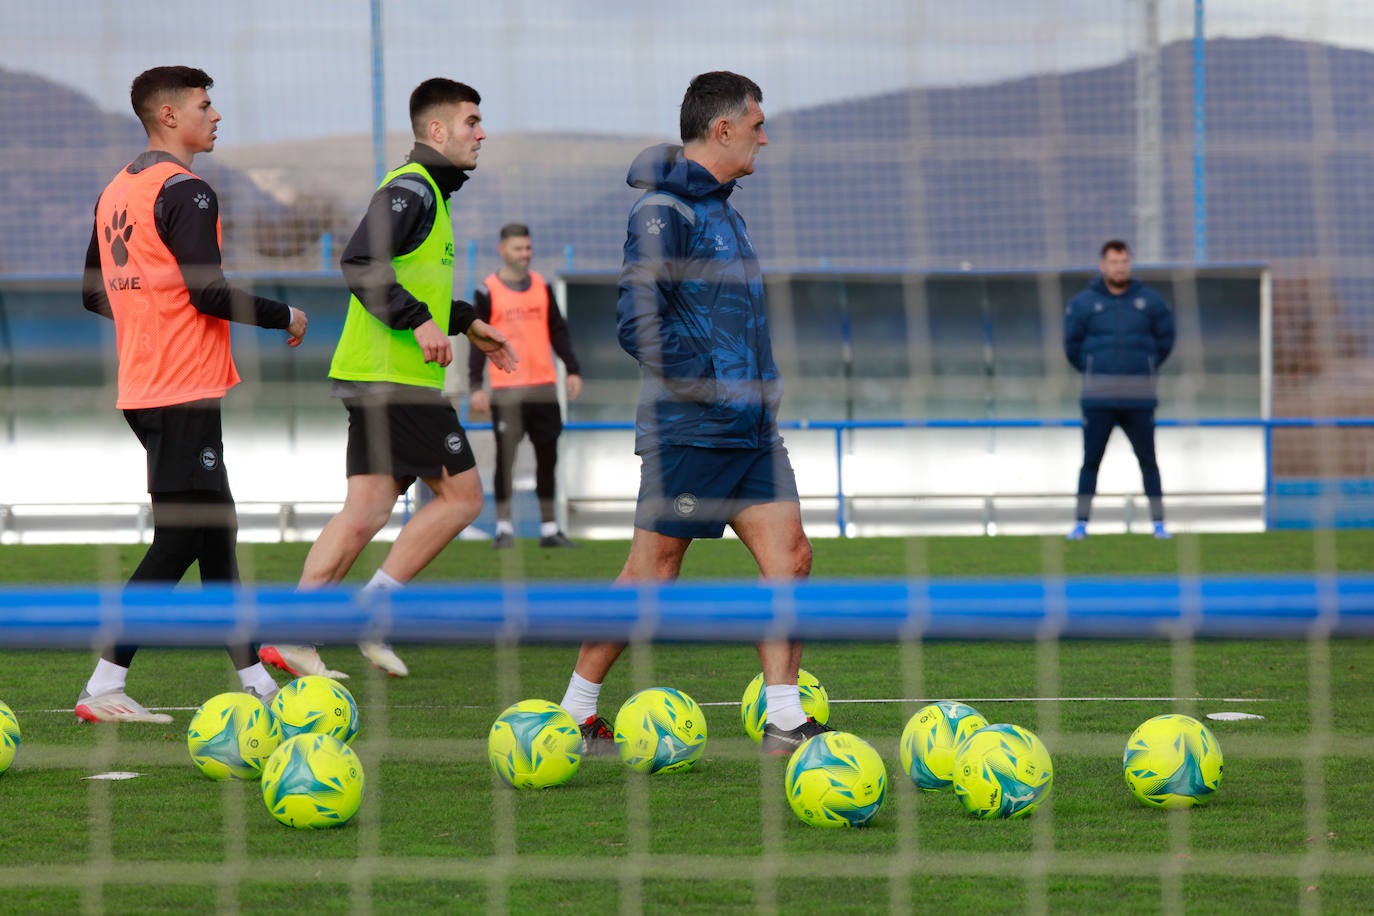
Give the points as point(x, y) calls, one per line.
point(406, 441)
point(185, 445)
point(520, 412)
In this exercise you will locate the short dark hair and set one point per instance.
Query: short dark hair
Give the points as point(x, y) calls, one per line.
point(434, 92)
point(151, 87)
point(1113, 245)
point(515, 231)
point(719, 93)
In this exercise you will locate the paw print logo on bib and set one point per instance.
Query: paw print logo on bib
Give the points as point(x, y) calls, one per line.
point(116, 235)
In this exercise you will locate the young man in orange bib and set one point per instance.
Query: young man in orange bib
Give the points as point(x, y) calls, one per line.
point(153, 266)
point(518, 302)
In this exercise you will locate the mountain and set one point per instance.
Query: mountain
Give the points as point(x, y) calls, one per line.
point(59, 151)
point(1020, 173)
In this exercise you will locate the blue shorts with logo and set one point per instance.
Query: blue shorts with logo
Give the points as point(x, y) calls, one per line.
point(690, 492)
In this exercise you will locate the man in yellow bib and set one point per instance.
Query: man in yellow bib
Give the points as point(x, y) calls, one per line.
point(518, 303)
point(388, 368)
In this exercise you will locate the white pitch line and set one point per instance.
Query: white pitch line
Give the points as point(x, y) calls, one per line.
point(834, 701)
point(971, 700)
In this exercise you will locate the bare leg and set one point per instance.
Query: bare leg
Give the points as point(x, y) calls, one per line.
point(653, 558)
point(456, 503)
point(773, 533)
point(367, 507)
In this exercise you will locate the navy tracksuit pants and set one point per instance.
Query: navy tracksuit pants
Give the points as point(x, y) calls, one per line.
point(1139, 425)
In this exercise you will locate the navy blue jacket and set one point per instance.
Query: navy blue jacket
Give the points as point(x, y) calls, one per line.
point(1118, 342)
point(691, 311)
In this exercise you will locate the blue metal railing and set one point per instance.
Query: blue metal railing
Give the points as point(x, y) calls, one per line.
point(840, 427)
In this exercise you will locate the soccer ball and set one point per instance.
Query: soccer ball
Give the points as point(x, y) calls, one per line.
point(753, 706)
point(316, 703)
point(836, 779)
point(1002, 771)
point(535, 744)
point(1172, 761)
point(9, 737)
point(231, 736)
point(660, 730)
point(313, 780)
point(930, 738)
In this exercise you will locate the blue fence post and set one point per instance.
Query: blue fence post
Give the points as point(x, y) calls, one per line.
point(1199, 134)
point(472, 270)
point(378, 94)
point(840, 512)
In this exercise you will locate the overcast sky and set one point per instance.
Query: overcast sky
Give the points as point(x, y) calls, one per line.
point(300, 68)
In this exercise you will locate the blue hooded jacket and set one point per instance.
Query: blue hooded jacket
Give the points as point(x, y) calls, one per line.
point(1118, 342)
point(691, 311)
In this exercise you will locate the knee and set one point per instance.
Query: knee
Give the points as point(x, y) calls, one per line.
point(461, 505)
point(363, 522)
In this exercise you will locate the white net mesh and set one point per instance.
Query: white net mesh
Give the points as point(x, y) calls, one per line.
point(938, 181)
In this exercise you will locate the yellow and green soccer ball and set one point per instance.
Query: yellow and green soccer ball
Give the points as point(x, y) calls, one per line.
point(9, 737)
point(231, 736)
point(930, 739)
point(535, 744)
point(313, 780)
point(753, 706)
point(1172, 761)
point(836, 779)
point(660, 730)
point(1002, 771)
point(316, 704)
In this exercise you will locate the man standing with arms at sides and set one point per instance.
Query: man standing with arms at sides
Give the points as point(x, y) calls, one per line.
point(389, 366)
point(691, 311)
point(1118, 332)
point(518, 303)
point(153, 266)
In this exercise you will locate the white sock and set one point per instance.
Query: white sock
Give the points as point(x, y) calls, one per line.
point(382, 580)
point(504, 526)
point(256, 676)
point(548, 529)
point(107, 678)
point(580, 700)
point(784, 706)
point(385, 583)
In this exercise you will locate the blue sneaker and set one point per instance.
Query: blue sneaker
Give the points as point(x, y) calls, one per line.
point(1079, 532)
point(1162, 533)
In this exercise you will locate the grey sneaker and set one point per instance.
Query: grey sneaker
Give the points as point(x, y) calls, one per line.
point(115, 706)
point(503, 541)
point(557, 539)
point(777, 742)
point(266, 698)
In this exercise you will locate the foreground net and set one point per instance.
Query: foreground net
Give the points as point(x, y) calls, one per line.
point(437, 830)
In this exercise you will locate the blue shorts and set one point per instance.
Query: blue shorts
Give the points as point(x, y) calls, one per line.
point(688, 492)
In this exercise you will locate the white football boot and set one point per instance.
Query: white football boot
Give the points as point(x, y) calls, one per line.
point(381, 655)
point(115, 706)
point(297, 660)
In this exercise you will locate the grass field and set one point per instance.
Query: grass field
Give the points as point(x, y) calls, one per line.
point(1289, 831)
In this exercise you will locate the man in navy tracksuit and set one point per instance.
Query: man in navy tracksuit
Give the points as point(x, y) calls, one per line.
point(1118, 332)
point(691, 312)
